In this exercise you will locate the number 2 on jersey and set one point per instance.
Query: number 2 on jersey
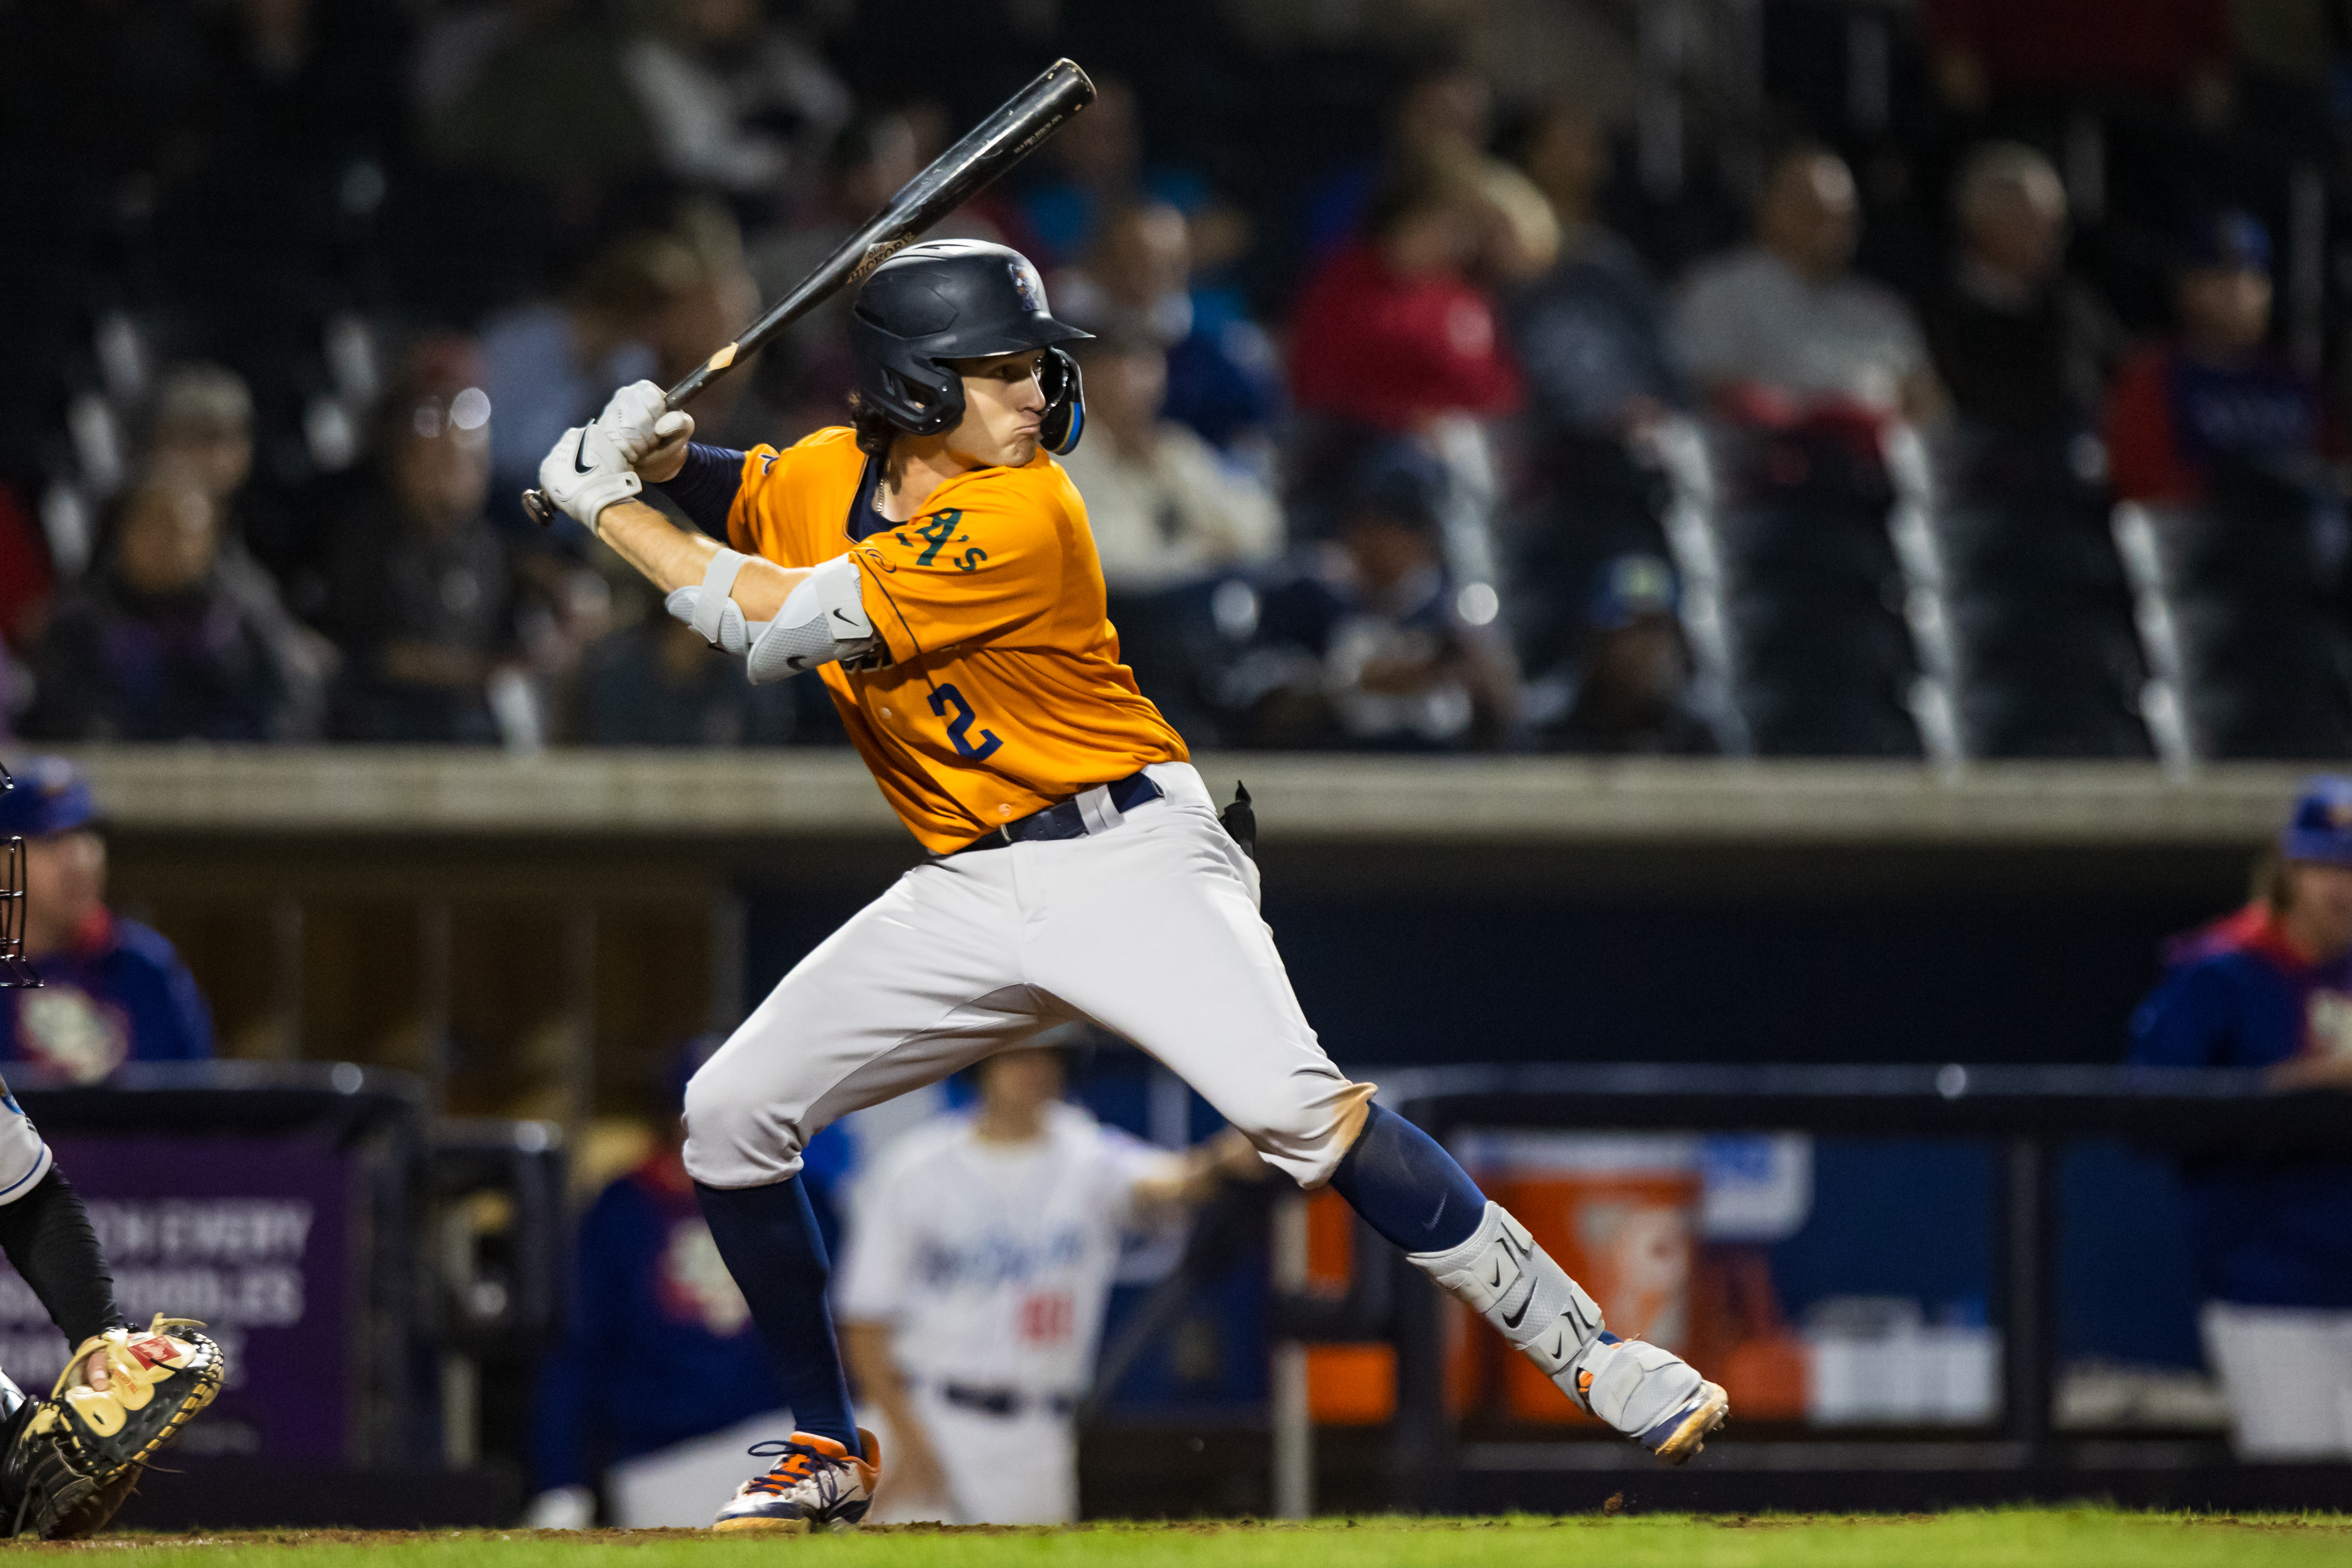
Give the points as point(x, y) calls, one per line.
point(959, 726)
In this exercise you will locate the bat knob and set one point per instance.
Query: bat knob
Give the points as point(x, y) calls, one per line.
point(538, 507)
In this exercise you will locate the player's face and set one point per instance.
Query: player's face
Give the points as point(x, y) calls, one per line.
point(1022, 1080)
point(168, 538)
point(2227, 306)
point(65, 882)
point(2319, 906)
point(1004, 405)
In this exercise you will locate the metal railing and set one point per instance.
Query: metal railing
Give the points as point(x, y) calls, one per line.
point(2028, 1113)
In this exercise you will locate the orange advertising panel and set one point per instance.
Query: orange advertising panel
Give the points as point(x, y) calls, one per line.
point(1619, 1213)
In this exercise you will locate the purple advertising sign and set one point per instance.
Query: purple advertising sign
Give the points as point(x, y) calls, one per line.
point(250, 1235)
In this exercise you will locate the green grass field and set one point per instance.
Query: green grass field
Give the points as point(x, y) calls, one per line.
point(2087, 1537)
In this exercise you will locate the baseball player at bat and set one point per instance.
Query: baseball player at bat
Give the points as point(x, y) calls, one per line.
point(932, 563)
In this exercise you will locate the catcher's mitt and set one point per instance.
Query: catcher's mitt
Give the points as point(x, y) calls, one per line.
point(77, 1453)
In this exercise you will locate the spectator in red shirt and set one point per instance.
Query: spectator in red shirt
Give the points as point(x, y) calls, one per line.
point(1986, 49)
point(1393, 331)
point(1396, 336)
point(27, 580)
point(2217, 394)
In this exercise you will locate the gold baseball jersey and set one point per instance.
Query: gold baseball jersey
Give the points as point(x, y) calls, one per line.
point(1004, 694)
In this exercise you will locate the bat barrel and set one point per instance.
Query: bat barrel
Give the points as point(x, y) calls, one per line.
point(992, 146)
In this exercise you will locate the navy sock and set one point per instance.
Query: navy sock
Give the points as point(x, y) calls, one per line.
point(1407, 1187)
point(769, 1237)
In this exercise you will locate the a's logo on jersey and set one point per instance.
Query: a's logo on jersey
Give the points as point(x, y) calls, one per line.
point(1026, 285)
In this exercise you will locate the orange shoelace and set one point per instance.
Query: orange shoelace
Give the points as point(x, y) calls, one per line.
point(795, 1466)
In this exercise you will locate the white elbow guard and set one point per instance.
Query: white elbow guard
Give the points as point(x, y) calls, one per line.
point(822, 621)
point(709, 611)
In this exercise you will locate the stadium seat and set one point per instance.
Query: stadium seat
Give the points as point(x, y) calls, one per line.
point(2234, 605)
point(2046, 660)
point(1822, 663)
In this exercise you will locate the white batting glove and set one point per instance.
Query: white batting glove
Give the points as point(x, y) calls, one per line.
point(584, 474)
point(649, 435)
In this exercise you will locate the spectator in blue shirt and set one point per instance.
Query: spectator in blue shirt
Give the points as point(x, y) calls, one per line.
point(112, 990)
point(2193, 413)
point(2270, 988)
point(1370, 645)
point(661, 1380)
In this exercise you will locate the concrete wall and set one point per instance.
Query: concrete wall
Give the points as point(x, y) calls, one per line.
point(535, 933)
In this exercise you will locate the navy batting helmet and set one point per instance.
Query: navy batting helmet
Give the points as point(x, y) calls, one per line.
point(958, 299)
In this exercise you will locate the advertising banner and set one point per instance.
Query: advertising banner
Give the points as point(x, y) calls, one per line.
point(252, 1235)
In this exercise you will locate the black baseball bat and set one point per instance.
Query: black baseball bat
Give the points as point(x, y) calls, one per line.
point(997, 143)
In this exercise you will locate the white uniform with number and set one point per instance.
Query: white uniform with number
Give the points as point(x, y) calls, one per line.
point(991, 1263)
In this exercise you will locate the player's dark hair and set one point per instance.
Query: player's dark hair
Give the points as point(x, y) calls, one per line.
point(872, 429)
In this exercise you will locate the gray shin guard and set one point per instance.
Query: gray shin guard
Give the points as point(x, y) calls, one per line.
point(1503, 1276)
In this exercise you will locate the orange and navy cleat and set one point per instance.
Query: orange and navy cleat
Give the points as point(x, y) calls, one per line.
point(815, 1484)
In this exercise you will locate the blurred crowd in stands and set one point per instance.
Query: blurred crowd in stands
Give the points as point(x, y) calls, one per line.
point(1823, 378)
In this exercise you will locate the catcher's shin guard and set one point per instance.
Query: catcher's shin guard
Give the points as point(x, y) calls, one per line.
point(1651, 1396)
point(73, 1457)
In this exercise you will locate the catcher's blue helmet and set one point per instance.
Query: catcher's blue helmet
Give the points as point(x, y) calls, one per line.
point(51, 796)
point(2321, 827)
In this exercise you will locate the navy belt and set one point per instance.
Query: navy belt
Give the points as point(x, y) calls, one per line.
point(1066, 818)
point(1005, 1402)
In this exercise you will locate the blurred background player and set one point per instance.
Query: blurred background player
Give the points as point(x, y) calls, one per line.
point(982, 1253)
point(113, 989)
point(2270, 987)
point(661, 1382)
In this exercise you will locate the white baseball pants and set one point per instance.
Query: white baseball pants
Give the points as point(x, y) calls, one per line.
point(1001, 1469)
point(2286, 1374)
point(1148, 927)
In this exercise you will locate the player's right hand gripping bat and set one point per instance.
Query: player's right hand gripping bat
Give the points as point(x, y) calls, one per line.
point(997, 143)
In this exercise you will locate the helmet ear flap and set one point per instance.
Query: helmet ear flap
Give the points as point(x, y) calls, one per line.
point(1065, 403)
point(906, 387)
point(931, 403)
